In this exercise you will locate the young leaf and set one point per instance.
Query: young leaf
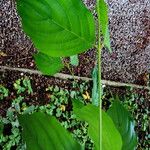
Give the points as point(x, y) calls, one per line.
point(95, 90)
point(58, 27)
point(48, 65)
point(44, 132)
point(103, 18)
point(124, 123)
point(111, 139)
point(74, 60)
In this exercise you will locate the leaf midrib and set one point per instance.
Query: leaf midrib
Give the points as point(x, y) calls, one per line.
point(64, 28)
point(80, 37)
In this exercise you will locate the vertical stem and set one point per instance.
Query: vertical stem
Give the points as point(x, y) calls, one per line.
point(99, 48)
point(100, 98)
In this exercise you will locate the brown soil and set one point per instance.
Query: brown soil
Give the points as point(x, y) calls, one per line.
point(129, 61)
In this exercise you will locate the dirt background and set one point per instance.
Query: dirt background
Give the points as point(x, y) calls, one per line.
point(130, 41)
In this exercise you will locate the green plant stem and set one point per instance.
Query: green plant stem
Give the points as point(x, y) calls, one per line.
point(71, 71)
point(99, 48)
point(100, 99)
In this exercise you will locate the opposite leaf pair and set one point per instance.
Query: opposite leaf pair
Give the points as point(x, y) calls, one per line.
point(45, 132)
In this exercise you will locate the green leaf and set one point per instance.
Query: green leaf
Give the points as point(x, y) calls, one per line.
point(125, 124)
point(111, 139)
point(103, 18)
point(44, 132)
point(74, 60)
point(27, 84)
point(95, 89)
point(58, 27)
point(110, 135)
point(3, 92)
point(48, 65)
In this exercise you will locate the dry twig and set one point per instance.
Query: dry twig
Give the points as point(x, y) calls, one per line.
point(67, 76)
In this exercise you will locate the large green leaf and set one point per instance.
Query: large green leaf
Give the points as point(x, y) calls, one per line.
point(58, 27)
point(124, 123)
point(48, 65)
point(110, 135)
point(111, 139)
point(44, 132)
point(103, 17)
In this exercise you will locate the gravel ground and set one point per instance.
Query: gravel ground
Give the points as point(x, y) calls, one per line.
point(130, 40)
